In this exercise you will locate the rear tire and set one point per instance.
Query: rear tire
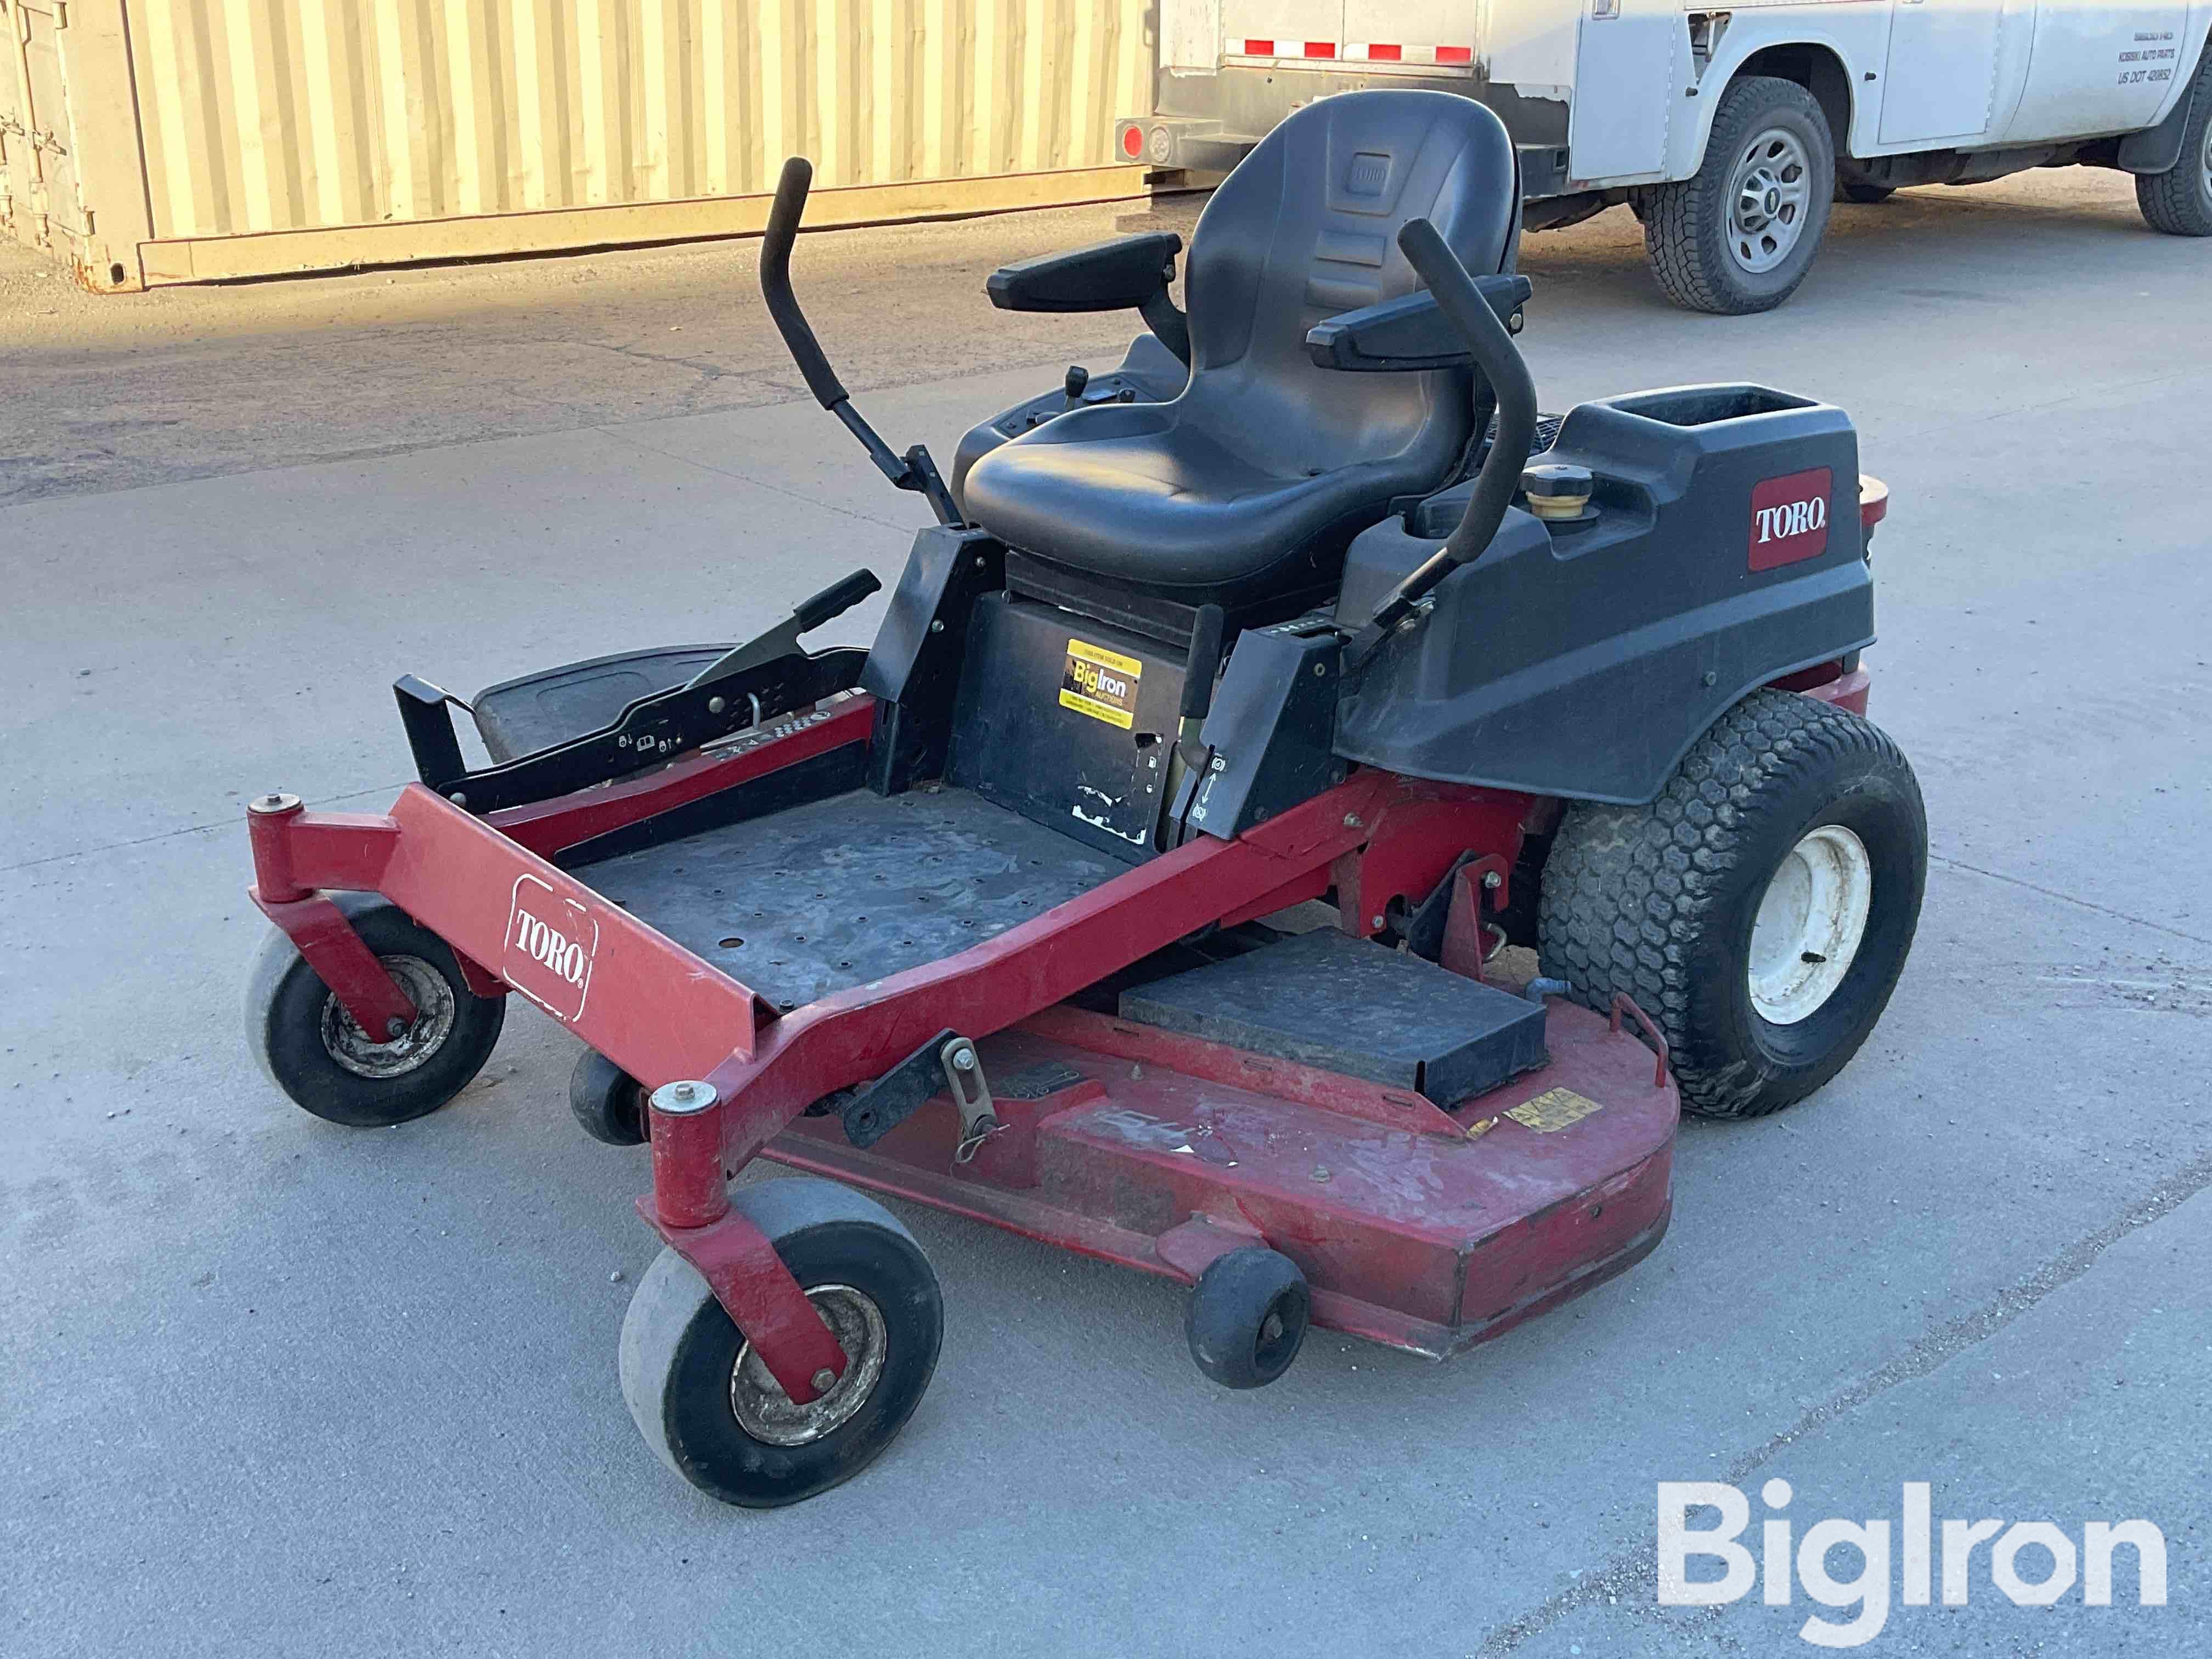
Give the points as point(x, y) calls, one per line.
point(1849, 189)
point(1713, 248)
point(313, 1050)
point(2178, 201)
point(708, 1409)
point(1786, 802)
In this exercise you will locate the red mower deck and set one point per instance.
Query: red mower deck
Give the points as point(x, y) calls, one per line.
point(1416, 1227)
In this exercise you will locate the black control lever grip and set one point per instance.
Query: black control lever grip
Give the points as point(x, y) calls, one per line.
point(1501, 365)
point(775, 283)
point(836, 599)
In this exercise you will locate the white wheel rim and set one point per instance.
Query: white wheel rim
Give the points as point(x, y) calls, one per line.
point(435, 1009)
point(1769, 200)
point(765, 1412)
point(1811, 920)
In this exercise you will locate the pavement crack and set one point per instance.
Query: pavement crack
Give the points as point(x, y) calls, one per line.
point(1627, 1580)
point(702, 366)
point(2069, 899)
point(183, 829)
point(747, 478)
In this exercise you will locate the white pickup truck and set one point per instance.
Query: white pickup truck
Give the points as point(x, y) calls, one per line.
point(1728, 130)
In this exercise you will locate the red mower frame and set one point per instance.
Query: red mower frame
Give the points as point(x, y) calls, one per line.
point(728, 1073)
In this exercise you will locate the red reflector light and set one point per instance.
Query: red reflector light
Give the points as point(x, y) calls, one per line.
point(1455, 54)
point(1385, 54)
point(1259, 48)
point(1132, 142)
point(1320, 48)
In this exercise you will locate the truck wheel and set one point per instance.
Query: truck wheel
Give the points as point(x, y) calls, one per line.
point(2179, 201)
point(1850, 190)
point(709, 1406)
point(1738, 235)
point(1760, 909)
point(608, 1101)
point(313, 1049)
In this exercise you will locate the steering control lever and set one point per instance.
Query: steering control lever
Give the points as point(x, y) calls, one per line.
point(914, 471)
point(1501, 363)
point(782, 640)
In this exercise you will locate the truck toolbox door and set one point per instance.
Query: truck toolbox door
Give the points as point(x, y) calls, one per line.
point(2102, 66)
point(1627, 73)
point(1941, 86)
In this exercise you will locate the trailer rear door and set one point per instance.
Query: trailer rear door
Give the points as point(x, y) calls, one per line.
point(1282, 28)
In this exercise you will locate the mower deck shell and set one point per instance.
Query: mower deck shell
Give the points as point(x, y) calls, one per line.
point(1427, 1239)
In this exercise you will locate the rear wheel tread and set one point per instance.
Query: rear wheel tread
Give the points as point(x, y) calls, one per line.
point(1630, 893)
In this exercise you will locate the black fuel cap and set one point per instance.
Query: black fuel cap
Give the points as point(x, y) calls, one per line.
point(1556, 480)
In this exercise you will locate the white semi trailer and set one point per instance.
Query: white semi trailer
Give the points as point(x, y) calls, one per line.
point(1729, 130)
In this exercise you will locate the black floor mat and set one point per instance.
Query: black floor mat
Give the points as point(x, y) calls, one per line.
point(832, 894)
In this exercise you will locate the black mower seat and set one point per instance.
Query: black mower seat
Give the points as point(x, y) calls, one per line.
point(1252, 482)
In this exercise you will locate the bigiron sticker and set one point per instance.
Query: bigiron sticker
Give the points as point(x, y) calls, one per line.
point(1100, 683)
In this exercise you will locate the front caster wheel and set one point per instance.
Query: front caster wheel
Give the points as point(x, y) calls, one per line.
point(608, 1101)
point(1248, 1317)
point(705, 1402)
point(313, 1050)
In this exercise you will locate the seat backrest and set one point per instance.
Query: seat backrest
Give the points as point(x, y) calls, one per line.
point(1307, 228)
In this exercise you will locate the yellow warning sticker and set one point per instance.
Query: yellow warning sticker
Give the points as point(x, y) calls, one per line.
point(1555, 1108)
point(1100, 683)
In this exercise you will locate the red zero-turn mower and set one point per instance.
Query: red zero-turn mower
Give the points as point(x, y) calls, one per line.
point(1288, 608)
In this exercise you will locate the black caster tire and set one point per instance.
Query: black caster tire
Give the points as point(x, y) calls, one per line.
point(1248, 1317)
point(608, 1101)
point(1739, 234)
point(313, 1050)
point(710, 1410)
point(1759, 910)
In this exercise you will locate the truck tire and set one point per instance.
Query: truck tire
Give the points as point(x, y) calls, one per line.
point(1739, 234)
point(1760, 909)
point(2180, 200)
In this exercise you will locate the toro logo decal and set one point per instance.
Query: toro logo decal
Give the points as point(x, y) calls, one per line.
point(550, 942)
point(1789, 517)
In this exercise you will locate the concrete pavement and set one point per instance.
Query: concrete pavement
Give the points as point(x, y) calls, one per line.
point(271, 1386)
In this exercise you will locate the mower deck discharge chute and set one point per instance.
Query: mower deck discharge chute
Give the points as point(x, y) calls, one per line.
point(1290, 608)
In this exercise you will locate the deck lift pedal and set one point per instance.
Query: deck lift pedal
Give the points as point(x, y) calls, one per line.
point(1281, 619)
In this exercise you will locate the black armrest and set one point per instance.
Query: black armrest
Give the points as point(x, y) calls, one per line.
point(1116, 275)
point(1408, 333)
